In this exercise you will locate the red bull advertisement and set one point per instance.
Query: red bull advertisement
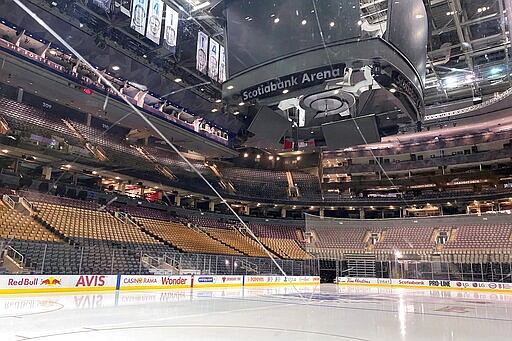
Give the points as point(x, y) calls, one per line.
point(12, 284)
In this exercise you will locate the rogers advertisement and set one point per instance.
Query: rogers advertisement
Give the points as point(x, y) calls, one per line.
point(280, 280)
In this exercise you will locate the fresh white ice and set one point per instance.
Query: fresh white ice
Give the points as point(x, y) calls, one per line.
point(325, 312)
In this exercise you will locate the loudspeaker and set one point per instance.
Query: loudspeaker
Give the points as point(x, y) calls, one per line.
point(351, 132)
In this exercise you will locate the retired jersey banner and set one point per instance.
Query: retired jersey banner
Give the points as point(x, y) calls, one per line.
point(202, 52)
point(156, 9)
point(222, 64)
point(213, 60)
point(171, 28)
point(139, 15)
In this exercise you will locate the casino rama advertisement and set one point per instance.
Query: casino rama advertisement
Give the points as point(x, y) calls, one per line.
point(56, 283)
point(217, 281)
point(134, 282)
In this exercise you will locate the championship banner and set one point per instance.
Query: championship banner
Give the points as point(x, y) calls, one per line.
point(222, 65)
point(202, 52)
point(103, 4)
point(171, 28)
point(125, 7)
point(139, 11)
point(156, 8)
point(213, 60)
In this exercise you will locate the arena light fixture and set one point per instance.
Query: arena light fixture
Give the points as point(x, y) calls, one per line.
point(304, 22)
point(218, 100)
point(5, 151)
point(332, 23)
point(178, 80)
point(241, 104)
point(285, 91)
point(278, 158)
point(115, 67)
point(215, 110)
point(276, 20)
point(230, 87)
point(246, 154)
point(236, 113)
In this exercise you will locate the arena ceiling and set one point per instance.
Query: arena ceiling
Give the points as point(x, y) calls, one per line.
point(468, 58)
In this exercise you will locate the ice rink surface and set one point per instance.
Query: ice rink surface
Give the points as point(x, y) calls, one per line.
point(325, 312)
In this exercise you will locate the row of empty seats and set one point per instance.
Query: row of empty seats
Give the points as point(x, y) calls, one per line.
point(185, 238)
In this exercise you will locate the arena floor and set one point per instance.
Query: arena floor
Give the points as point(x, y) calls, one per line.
point(325, 312)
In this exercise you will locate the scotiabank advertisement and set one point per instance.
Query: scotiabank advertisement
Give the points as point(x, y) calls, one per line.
point(217, 281)
point(56, 283)
point(430, 284)
point(135, 282)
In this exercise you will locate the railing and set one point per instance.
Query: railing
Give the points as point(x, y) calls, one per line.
point(41, 258)
point(8, 200)
point(27, 204)
point(500, 272)
point(426, 163)
point(16, 256)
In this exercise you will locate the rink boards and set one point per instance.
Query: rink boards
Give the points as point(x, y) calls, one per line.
point(13, 284)
point(426, 284)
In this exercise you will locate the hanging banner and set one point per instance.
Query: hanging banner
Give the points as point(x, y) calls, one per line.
point(222, 64)
point(202, 52)
point(125, 6)
point(213, 60)
point(103, 4)
point(139, 12)
point(156, 8)
point(171, 28)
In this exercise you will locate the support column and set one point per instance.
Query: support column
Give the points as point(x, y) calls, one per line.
point(247, 210)
point(211, 205)
point(361, 213)
point(321, 212)
point(177, 200)
point(283, 212)
point(89, 117)
point(122, 188)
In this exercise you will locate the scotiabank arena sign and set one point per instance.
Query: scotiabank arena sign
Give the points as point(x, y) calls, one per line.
point(56, 283)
